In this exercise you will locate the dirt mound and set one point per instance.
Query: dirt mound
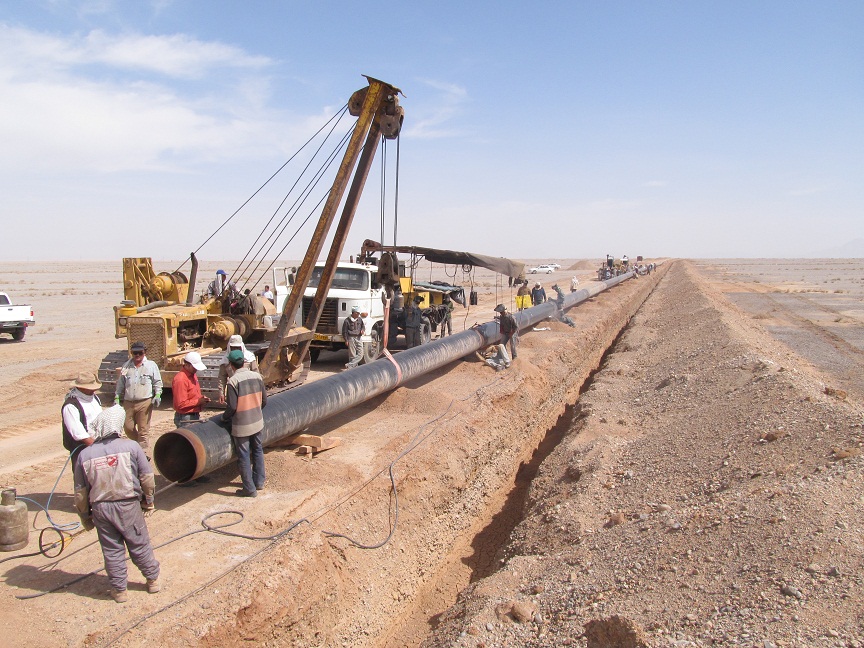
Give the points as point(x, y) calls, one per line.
point(585, 264)
point(707, 492)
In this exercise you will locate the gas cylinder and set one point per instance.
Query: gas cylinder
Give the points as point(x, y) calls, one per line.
point(13, 521)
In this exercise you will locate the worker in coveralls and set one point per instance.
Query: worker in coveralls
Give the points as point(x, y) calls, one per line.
point(114, 485)
point(413, 324)
point(509, 328)
point(353, 329)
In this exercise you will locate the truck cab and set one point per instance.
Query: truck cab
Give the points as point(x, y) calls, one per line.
point(354, 284)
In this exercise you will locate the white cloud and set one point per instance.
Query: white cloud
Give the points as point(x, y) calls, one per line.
point(430, 122)
point(176, 55)
point(110, 103)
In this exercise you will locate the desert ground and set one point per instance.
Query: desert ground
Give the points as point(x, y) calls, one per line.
point(681, 468)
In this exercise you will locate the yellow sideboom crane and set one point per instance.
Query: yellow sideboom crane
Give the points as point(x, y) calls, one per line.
point(158, 309)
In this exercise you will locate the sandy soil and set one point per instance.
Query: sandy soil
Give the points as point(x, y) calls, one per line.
point(703, 488)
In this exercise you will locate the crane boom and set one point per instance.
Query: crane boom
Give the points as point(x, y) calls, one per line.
point(378, 113)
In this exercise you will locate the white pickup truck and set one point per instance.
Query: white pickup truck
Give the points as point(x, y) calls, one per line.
point(14, 319)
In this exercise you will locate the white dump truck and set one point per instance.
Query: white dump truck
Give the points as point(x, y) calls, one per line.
point(15, 318)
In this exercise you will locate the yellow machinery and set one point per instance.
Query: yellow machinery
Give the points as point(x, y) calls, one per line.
point(158, 309)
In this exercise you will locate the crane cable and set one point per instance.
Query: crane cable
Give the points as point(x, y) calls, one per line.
point(383, 183)
point(336, 115)
point(307, 191)
point(238, 271)
point(384, 188)
point(396, 199)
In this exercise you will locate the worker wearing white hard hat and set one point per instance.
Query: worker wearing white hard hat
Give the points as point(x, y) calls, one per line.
point(186, 389)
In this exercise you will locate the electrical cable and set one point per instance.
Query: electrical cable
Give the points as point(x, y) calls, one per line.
point(159, 546)
point(415, 442)
point(62, 530)
point(213, 580)
point(60, 527)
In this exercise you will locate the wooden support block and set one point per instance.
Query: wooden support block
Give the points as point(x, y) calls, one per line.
point(309, 443)
point(319, 443)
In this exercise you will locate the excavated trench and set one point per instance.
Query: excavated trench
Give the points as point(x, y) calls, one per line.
point(488, 545)
point(494, 537)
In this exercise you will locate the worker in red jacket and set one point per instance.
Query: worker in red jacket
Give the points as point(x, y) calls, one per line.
point(188, 400)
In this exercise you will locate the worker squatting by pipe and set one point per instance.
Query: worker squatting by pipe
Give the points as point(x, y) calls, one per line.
point(188, 453)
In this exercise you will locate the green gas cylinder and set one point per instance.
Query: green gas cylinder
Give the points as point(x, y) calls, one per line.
point(13, 521)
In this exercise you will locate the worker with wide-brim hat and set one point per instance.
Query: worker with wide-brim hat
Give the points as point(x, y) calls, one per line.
point(80, 407)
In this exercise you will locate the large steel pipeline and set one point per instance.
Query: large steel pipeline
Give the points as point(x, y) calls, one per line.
point(187, 453)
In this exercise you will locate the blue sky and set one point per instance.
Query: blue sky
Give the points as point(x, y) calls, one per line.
point(532, 130)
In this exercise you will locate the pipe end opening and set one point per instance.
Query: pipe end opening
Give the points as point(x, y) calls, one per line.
point(175, 457)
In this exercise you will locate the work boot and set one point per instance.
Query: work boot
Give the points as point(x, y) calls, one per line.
point(153, 585)
point(119, 596)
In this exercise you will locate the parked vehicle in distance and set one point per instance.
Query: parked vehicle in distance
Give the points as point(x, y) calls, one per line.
point(14, 319)
point(543, 269)
point(554, 266)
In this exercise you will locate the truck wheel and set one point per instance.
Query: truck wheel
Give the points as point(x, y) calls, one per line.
point(371, 350)
point(313, 354)
point(18, 334)
point(426, 331)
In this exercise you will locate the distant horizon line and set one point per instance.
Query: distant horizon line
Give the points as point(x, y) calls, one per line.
point(525, 260)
